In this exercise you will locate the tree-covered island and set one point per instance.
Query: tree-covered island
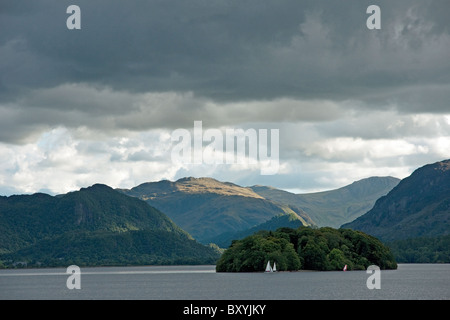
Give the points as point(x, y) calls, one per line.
point(306, 248)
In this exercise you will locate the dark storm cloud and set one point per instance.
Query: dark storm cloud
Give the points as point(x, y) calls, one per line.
point(216, 56)
point(147, 45)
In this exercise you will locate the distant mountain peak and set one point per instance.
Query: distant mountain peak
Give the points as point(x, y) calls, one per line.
point(191, 185)
point(334, 207)
point(97, 186)
point(206, 207)
point(194, 179)
point(209, 185)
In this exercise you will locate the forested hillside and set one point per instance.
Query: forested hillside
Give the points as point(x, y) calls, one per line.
point(92, 226)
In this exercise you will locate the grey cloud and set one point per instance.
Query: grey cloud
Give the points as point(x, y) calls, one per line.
point(224, 62)
point(221, 49)
point(385, 125)
point(100, 109)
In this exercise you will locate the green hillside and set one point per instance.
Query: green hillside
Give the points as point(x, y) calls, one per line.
point(419, 206)
point(205, 207)
point(93, 226)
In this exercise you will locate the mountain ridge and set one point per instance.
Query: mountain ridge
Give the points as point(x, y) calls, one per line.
point(92, 224)
point(139, 222)
point(337, 206)
point(206, 207)
point(419, 206)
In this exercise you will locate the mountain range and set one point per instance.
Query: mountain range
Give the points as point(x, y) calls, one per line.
point(205, 207)
point(169, 222)
point(214, 211)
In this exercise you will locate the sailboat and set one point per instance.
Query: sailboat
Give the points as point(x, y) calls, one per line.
point(269, 268)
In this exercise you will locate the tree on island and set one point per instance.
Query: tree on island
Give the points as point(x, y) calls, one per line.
point(306, 248)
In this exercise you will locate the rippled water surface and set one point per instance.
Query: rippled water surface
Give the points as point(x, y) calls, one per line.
point(409, 281)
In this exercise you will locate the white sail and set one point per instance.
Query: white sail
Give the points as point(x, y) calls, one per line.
point(274, 267)
point(268, 267)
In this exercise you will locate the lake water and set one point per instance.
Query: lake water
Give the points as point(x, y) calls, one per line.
point(408, 282)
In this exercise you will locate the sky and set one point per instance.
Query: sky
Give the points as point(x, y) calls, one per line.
point(100, 104)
